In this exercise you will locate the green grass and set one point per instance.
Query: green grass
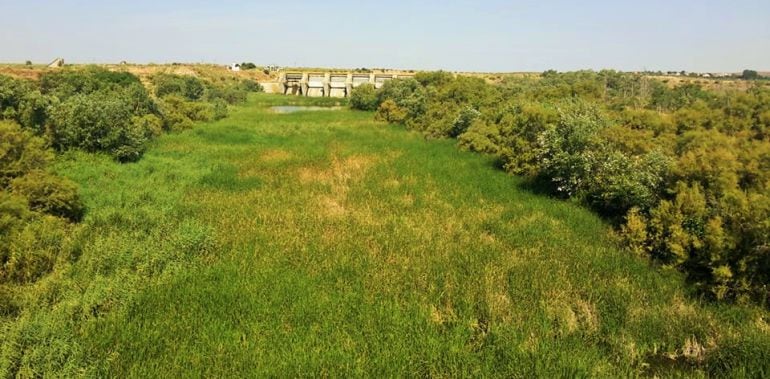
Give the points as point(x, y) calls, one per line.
point(327, 244)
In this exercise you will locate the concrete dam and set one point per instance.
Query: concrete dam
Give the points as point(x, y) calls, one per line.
point(329, 84)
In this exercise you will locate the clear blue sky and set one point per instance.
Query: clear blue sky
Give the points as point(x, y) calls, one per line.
point(453, 35)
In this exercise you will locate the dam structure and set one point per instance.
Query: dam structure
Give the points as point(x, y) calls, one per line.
point(328, 84)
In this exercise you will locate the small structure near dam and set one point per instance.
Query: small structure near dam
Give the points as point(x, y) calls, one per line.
point(328, 84)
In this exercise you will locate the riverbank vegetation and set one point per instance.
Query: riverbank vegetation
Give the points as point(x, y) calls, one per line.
point(683, 172)
point(177, 239)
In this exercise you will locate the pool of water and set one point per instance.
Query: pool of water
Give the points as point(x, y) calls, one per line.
point(301, 108)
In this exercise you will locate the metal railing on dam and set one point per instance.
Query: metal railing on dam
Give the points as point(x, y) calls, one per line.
point(329, 84)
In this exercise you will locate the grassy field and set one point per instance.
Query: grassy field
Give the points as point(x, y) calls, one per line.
point(327, 244)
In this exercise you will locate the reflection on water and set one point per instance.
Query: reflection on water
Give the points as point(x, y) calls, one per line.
point(300, 108)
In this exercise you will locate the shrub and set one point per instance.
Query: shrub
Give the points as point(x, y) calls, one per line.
point(12, 92)
point(49, 194)
point(68, 83)
point(13, 210)
point(32, 249)
point(97, 122)
point(219, 110)
point(566, 150)
point(33, 111)
point(390, 111)
point(634, 233)
point(231, 94)
point(364, 97)
point(481, 137)
point(150, 124)
point(250, 85)
point(621, 182)
point(435, 78)
point(20, 152)
point(463, 121)
point(180, 114)
point(188, 87)
point(407, 94)
point(247, 66)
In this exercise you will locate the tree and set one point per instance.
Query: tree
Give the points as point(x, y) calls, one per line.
point(750, 75)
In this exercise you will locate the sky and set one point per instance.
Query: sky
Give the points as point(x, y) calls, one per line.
point(485, 36)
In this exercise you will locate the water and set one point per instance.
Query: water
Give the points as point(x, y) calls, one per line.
point(300, 108)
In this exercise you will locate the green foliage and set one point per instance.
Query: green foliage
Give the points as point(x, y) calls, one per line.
point(151, 124)
point(97, 122)
point(481, 137)
point(188, 87)
point(364, 98)
point(433, 78)
point(250, 85)
point(674, 168)
point(390, 111)
point(29, 196)
point(219, 110)
point(566, 149)
point(20, 152)
point(13, 210)
point(406, 94)
point(231, 94)
point(49, 194)
point(520, 127)
point(33, 110)
point(325, 244)
point(247, 66)
point(67, 83)
point(92, 109)
point(180, 114)
point(32, 249)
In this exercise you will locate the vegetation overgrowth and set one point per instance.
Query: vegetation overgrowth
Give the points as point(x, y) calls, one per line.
point(684, 172)
point(254, 243)
point(89, 109)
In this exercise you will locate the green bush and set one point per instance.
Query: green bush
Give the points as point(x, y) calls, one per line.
point(11, 93)
point(247, 66)
point(29, 199)
point(33, 111)
point(32, 249)
point(390, 111)
point(407, 94)
point(188, 87)
point(463, 121)
point(97, 122)
point(219, 110)
point(567, 149)
point(13, 210)
point(20, 152)
point(364, 97)
point(180, 114)
point(67, 83)
point(232, 94)
point(481, 137)
point(150, 124)
point(250, 85)
point(49, 194)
